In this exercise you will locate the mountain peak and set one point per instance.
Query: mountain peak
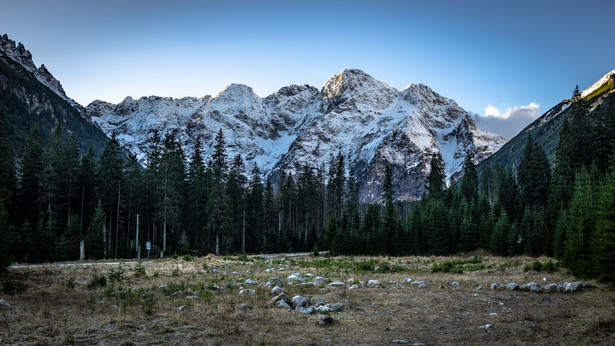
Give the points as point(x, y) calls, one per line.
point(606, 83)
point(235, 89)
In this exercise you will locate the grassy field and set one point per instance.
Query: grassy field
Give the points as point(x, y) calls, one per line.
point(142, 304)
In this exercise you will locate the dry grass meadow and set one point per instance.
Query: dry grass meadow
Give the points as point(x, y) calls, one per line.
point(63, 306)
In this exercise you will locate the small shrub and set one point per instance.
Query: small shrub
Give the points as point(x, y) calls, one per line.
point(140, 269)
point(97, 281)
point(116, 275)
point(12, 287)
point(315, 251)
point(156, 274)
point(538, 266)
point(176, 272)
point(70, 284)
point(205, 267)
point(188, 258)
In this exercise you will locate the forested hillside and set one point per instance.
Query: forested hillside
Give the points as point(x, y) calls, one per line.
point(202, 207)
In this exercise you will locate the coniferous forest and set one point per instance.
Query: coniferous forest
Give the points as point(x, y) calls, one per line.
point(54, 197)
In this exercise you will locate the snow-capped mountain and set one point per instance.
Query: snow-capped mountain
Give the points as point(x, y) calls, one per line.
point(369, 122)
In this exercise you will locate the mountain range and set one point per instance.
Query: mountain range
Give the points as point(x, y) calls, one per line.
point(370, 123)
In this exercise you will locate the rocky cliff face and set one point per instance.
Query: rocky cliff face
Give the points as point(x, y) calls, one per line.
point(370, 123)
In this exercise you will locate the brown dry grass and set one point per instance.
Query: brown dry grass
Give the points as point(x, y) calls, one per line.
point(50, 311)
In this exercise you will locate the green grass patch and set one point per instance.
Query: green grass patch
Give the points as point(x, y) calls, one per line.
point(458, 266)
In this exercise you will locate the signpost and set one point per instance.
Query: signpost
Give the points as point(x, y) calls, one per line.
point(148, 246)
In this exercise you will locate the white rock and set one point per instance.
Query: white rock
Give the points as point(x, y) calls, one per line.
point(337, 284)
point(373, 283)
point(299, 301)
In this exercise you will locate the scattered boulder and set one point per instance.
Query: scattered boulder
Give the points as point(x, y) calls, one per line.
point(324, 320)
point(495, 286)
point(282, 304)
point(249, 271)
point(319, 280)
point(530, 286)
point(277, 290)
point(296, 277)
point(337, 284)
point(353, 287)
point(400, 341)
point(550, 288)
point(273, 281)
point(247, 292)
point(174, 294)
point(191, 297)
point(317, 301)
point(184, 308)
point(4, 304)
point(408, 280)
point(423, 285)
point(512, 286)
point(454, 283)
point(573, 286)
point(486, 326)
point(373, 283)
point(250, 282)
point(335, 307)
point(279, 297)
point(417, 282)
point(322, 308)
point(309, 310)
point(299, 301)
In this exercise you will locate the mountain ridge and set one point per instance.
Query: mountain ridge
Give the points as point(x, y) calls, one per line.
point(369, 122)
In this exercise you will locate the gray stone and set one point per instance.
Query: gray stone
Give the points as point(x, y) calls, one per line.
point(176, 294)
point(335, 307)
point(277, 290)
point(454, 283)
point(296, 277)
point(495, 286)
point(423, 285)
point(550, 288)
point(337, 284)
point(5, 305)
point(299, 301)
point(353, 287)
point(247, 292)
point(417, 282)
point(512, 286)
point(184, 308)
point(309, 310)
point(400, 341)
point(282, 304)
point(191, 297)
point(573, 286)
point(317, 301)
point(408, 280)
point(250, 271)
point(275, 282)
point(486, 326)
point(250, 282)
point(279, 297)
point(373, 283)
point(322, 308)
point(319, 280)
point(324, 320)
point(530, 286)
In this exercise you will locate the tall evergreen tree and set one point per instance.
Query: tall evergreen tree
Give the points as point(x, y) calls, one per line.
point(110, 177)
point(95, 236)
point(218, 203)
point(436, 179)
point(603, 246)
point(499, 237)
point(534, 176)
point(469, 182)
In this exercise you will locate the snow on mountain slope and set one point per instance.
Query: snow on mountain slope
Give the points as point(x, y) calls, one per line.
point(370, 123)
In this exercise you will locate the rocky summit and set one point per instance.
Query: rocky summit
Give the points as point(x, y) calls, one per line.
point(301, 127)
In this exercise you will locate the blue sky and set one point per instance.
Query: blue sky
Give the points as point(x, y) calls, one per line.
point(512, 60)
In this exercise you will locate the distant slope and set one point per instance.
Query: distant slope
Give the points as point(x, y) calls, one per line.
point(27, 102)
point(545, 130)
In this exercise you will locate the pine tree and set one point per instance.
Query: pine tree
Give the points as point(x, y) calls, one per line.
point(499, 237)
point(437, 227)
point(95, 237)
point(110, 189)
point(256, 211)
point(581, 227)
point(469, 182)
point(603, 246)
point(534, 176)
point(436, 178)
point(218, 203)
point(235, 189)
point(576, 92)
point(390, 217)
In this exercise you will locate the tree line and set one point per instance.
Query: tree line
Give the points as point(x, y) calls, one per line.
point(54, 198)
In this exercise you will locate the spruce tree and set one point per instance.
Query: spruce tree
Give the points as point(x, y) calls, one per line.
point(469, 182)
point(436, 180)
point(581, 227)
point(499, 237)
point(603, 246)
point(95, 236)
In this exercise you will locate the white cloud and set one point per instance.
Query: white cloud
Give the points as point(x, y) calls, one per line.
point(507, 122)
